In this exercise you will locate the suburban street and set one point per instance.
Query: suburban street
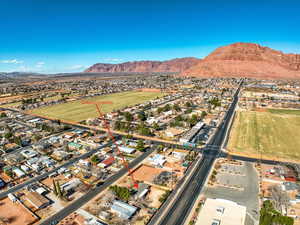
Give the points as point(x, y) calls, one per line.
point(95, 191)
point(44, 175)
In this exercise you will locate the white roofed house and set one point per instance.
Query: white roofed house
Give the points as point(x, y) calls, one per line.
point(29, 153)
point(123, 210)
point(152, 120)
point(157, 160)
point(71, 185)
point(19, 173)
point(126, 149)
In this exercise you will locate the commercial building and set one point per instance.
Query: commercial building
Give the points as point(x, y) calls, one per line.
point(192, 133)
point(221, 212)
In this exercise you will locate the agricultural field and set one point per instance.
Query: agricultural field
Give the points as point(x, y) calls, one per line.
point(76, 111)
point(274, 133)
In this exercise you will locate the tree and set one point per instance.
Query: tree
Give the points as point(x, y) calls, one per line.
point(54, 187)
point(155, 126)
point(188, 104)
point(122, 193)
point(166, 108)
point(95, 159)
point(269, 216)
point(159, 110)
point(145, 131)
point(142, 116)
point(193, 120)
point(17, 140)
point(8, 135)
point(3, 115)
point(140, 146)
point(176, 108)
point(215, 102)
point(60, 193)
point(117, 125)
point(128, 116)
point(164, 196)
point(203, 114)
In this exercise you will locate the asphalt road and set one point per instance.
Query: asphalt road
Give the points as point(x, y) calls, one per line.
point(44, 175)
point(178, 211)
point(93, 192)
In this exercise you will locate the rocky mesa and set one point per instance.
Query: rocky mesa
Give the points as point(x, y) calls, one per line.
point(247, 60)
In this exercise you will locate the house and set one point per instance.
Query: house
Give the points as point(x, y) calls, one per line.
point(126, 149)
point(124, 210)
point(107, 162)
point(71, 185)
point(37, 200)
point(19, 173)
point(157, 160)
point(74, 146)
point(12, 197)
point(173, 132)
point(69, 135)
point(290, 186)
point(25, 168)
point(10, 147)
point(29, 153)
point(142, 191)
point(152, 120)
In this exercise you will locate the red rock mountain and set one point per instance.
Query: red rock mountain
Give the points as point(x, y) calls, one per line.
point(174, 65)
point(248, 60)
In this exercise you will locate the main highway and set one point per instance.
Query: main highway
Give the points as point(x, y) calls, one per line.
point(175, 212)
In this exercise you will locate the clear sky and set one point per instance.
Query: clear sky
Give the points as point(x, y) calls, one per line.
point(69, 35)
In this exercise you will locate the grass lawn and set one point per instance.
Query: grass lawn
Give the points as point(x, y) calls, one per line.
point(275, 133)
point(75, 111)
point(285, 111)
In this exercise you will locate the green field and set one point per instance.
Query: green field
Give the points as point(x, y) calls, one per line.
point(75, 111)
point(275, 133)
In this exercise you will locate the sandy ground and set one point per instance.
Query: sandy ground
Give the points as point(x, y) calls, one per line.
point(146, 173)
point(154, 195)
point(15, 212)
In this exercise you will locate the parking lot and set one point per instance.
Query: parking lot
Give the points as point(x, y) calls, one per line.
point(243, 188)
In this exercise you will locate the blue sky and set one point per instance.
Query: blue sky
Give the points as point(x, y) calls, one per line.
point(52, 36)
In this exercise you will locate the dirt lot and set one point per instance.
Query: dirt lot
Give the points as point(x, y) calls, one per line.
point(154, 195)
point(146, 173)
point(15, 213)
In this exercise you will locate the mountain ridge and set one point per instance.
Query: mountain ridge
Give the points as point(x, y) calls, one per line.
point(235, 60)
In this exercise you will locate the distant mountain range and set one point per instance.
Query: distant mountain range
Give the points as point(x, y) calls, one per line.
point(235, 60)
point(174, 65)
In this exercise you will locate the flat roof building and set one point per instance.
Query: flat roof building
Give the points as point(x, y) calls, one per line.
point(124, 210)
point(37, 200)
point(221, 212)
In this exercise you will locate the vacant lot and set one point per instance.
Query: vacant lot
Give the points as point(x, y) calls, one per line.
point(14, 213)
point(75, 111)
point(275, 133)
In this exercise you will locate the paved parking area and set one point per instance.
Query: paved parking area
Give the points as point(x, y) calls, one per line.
point(247, 196)
point(233, 169)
